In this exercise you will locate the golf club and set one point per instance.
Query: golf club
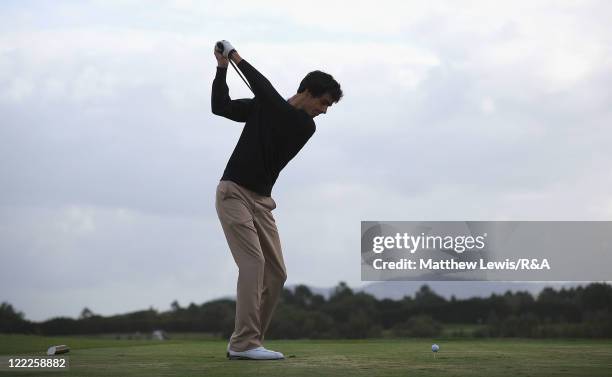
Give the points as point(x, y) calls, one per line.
point(219, 48)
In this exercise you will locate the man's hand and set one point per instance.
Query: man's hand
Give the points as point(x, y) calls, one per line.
point(221, 60)
point(225, 48)
point(225, 51)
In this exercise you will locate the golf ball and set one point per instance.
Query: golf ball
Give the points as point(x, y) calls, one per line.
point(435, 348)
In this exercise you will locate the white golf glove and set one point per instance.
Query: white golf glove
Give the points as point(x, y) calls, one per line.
point(225, 48)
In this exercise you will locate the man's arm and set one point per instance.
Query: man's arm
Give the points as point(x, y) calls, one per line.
point(221, 103)
point(262, 88)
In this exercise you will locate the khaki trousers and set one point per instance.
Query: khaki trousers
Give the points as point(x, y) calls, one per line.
point(250, 230)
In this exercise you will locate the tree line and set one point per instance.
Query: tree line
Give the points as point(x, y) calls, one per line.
point(572, 312)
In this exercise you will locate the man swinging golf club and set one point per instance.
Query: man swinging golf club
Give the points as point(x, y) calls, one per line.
point(275, 130)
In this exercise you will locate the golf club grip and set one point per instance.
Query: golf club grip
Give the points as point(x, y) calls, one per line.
point(219, 47)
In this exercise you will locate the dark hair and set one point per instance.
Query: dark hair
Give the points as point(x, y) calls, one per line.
point(318, 83)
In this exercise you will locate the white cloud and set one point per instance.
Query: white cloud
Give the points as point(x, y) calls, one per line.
point(487, 105)
point(17, 89)
point(116, 252)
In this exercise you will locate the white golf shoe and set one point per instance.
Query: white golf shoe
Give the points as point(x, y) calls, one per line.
point(259, 353)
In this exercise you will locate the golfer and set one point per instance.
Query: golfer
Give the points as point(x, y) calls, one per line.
point(275, 129)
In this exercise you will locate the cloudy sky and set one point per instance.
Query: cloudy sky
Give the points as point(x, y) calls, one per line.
point(110, 156)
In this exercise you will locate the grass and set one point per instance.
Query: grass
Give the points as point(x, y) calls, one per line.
point(191, 355)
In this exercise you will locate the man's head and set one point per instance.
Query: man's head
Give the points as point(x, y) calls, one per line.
point(318, 90)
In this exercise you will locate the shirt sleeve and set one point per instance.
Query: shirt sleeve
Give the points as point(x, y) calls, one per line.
point(262, 88)
point(237, 110)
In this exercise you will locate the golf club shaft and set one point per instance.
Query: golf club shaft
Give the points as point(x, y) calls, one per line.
point(240, 74)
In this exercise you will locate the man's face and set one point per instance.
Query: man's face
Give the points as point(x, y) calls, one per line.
point(317, 105)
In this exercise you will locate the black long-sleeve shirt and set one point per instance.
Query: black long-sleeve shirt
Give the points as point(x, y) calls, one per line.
point(273, 134)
